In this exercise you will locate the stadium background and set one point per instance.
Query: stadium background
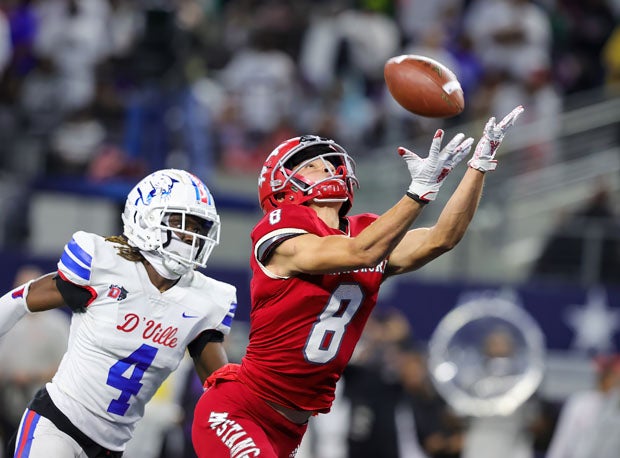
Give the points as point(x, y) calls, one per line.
point(95, 94)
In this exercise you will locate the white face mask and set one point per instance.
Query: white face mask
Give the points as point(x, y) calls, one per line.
point(181, 249)
point(170, 268)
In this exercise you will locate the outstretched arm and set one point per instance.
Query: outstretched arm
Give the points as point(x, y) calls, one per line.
point(312, 254)
point(34, 296)
point(420, 246)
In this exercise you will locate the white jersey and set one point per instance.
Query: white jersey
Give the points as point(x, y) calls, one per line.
point(130, 337)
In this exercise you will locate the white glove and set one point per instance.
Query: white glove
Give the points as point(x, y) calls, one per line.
point(484, 154)
point(427, 174)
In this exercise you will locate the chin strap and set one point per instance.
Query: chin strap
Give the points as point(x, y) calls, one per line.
point(13, 307)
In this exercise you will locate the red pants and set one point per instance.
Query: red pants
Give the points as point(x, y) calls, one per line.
point(232, 422)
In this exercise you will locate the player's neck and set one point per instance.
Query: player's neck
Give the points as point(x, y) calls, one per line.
point(328, 213)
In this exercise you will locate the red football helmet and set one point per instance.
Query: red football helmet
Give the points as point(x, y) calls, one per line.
point(279, 183)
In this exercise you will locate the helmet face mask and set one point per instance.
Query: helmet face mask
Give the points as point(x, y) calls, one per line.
point(280, 182)
point(171, 212)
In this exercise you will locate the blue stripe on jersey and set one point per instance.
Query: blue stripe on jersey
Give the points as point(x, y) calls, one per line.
point(227, 321)
point(74, 267)
point(79, 253)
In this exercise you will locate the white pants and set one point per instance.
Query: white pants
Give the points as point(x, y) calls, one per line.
point(38, 437)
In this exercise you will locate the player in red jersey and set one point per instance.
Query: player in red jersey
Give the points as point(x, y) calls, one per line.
point(316, 277)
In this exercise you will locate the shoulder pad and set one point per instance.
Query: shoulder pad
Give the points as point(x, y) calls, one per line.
point(75, 264)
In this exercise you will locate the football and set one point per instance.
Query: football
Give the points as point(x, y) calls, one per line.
point(424, 86)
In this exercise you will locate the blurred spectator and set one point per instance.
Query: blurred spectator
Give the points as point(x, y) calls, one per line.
point(343, 53)
point(582, 28)
point(73, 36)
point(39, 99)
point(22, 28)
point(370, 37)
point(6, 48)
point(165, 124)
point(532, 86)
point(589, 420)
point(261, 84)
point(469, 68)
point(584, 248)
point(75, 143)
point(380, 425)
point(416, 17)
point(510, 435)
point(122, 27)
point(506, 33)
point(29, 356)
point(439, 429)
point(611, 60)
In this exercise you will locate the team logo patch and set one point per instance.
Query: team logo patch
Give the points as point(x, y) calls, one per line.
point(233, 436)
point(117, 292)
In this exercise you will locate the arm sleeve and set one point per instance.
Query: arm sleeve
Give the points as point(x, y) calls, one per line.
point(76, 297)
point(196, 346)
point(13, 307)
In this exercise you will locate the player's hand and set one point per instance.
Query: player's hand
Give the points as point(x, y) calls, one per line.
point(484, 154)
point(427, 175)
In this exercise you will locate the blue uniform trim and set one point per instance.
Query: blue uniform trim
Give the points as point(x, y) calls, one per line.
point(79, 253)
point(74, 267)
point(228, 319)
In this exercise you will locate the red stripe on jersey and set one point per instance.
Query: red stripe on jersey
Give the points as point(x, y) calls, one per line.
point(25, 433)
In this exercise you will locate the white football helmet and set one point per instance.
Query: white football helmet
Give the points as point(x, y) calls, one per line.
point(147, 210)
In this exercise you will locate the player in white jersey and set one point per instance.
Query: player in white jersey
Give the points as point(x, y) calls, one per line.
point(138, 303)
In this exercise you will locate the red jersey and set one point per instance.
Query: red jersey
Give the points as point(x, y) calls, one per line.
point(304, 328)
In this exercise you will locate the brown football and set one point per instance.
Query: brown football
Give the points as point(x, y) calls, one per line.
point(424, 86)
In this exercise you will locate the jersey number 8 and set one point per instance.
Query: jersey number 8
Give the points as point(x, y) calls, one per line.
point(328, 331)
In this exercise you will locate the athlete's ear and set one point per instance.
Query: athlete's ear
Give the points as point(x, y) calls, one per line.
point(279, 196)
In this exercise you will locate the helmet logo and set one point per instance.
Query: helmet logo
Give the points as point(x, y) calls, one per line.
point(163, 188)
point(202, 193)
point(261, 178)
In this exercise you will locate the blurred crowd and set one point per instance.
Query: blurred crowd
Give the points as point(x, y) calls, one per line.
point(117, 88)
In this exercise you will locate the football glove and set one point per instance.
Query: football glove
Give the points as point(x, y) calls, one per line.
point(428, 174)
point(484, 154)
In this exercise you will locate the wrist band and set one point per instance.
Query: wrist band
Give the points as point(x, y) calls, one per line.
point(417, 198)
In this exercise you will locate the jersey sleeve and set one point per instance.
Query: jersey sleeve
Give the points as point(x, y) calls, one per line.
point(280, 225)
point(219, 303)
point(75, 264)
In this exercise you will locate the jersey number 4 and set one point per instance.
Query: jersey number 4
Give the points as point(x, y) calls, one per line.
point(140, 360)
point(328, 331)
